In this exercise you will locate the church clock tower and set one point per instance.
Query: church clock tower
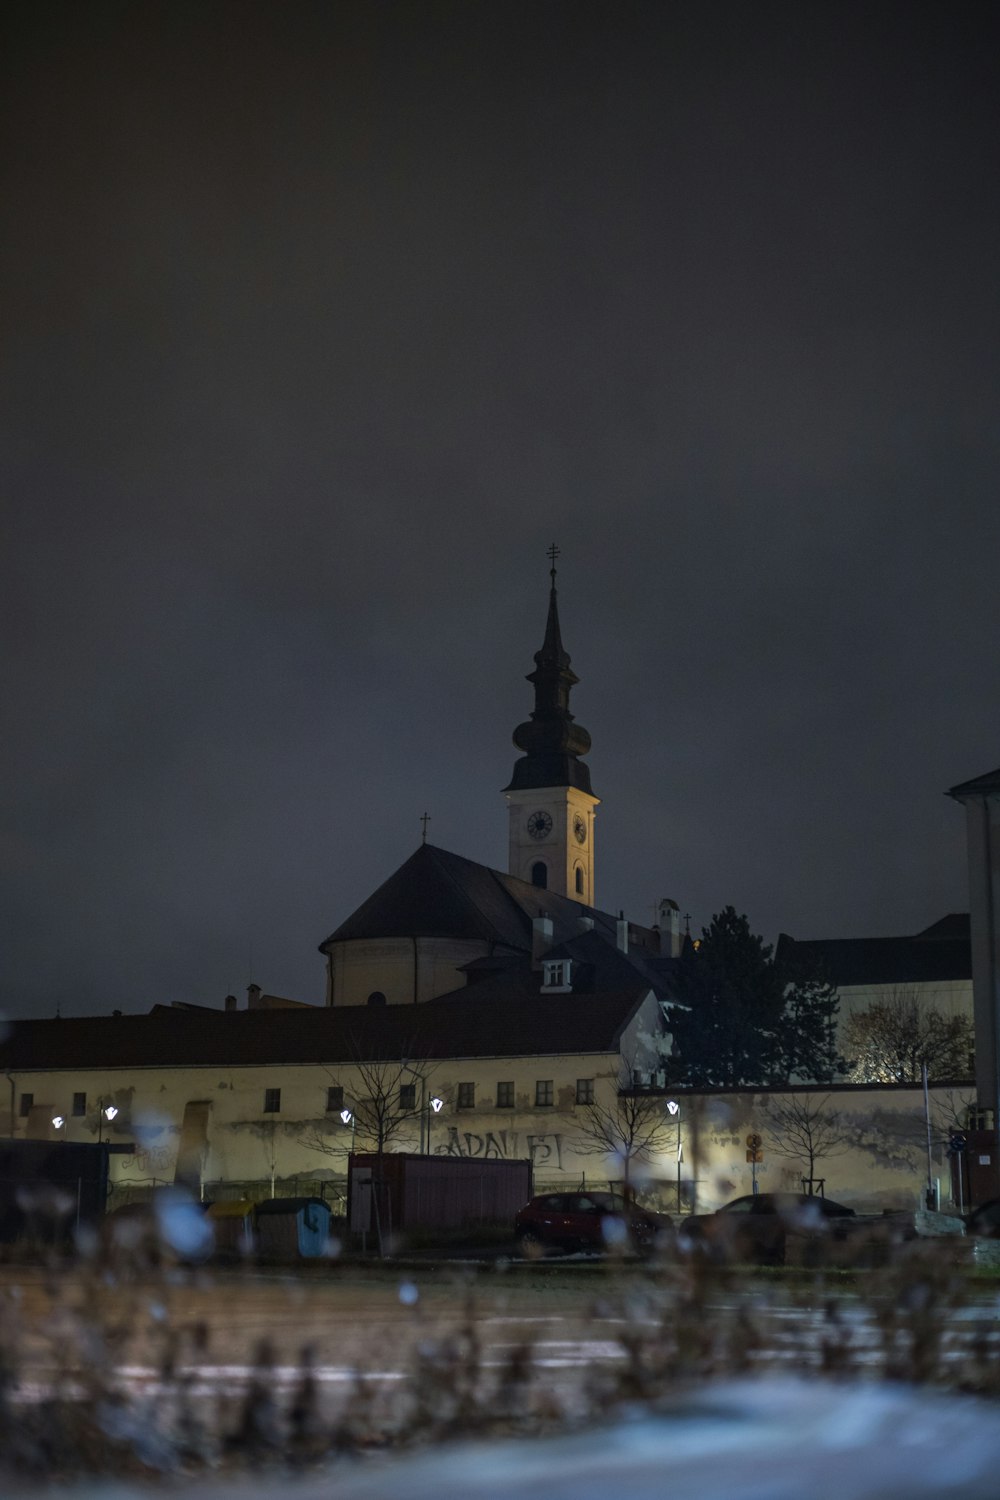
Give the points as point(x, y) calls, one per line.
point(551, 804)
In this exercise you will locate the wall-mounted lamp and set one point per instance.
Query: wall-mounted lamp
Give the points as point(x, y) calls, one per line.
point(58, 1121)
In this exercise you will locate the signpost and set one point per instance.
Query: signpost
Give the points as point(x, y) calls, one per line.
point(957, 1147)
point(755, 1154)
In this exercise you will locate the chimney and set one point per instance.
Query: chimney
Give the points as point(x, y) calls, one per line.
point(669, 923)
point(541, 938)
point(253, 996)
point(232, 1003)
point(622, 933)
point(585, 924)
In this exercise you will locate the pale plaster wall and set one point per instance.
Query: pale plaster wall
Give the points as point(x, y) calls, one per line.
point(951, 997)
point(405, 970)
point(244, 1143)
point(884, 1165)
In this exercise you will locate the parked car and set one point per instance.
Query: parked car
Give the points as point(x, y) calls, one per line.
point(984, 1221)
point(586, 1221)
point(757, 1227)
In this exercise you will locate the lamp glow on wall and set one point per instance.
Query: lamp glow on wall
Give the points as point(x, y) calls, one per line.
point(437, 1105)
point(58, 1121)
point(107, 1112)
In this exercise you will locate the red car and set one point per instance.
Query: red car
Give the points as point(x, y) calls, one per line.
point(585, 1221)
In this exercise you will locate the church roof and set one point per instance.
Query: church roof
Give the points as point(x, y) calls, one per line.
point(988, 783)
point(439, 894)
point(940, 954)
point(497, 1018)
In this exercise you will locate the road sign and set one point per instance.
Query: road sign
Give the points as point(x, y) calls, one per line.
point(754, 1142)
point(755, 1156)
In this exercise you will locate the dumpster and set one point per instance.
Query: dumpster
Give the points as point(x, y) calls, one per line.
point(291, 1227)
point(233, 1225)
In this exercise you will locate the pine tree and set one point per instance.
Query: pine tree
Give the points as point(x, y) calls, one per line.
point(738, 1020)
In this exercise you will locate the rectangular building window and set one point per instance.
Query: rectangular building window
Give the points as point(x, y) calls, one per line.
point(505, 1096)
point(543, 1092)
point(407, 1096)
point(584, 1091)
point(27, 1100)
point(79, 1104)
point(272, 1101)
point(466, 1096)
point(335, 1096)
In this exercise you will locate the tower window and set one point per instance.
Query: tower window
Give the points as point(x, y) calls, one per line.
point(540, 874)
point(579, 881)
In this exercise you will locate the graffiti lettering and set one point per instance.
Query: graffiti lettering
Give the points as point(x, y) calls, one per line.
point(495, 1146)
point(545, 1150)
point(150, 1160)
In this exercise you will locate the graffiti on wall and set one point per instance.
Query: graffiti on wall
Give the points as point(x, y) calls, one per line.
point(502, 1145)
point(498, 1145)
point(151, 1161)
point(545, 1150)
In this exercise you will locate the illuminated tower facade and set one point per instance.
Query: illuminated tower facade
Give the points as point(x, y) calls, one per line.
point(551, 804)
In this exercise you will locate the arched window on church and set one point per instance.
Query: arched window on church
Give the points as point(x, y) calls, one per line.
point(579, 881)
point(376, 998)
point(540, 874)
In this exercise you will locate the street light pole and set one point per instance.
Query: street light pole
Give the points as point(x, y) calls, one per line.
point(673, 1108)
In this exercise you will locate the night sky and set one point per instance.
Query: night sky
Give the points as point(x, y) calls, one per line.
point(321, 321)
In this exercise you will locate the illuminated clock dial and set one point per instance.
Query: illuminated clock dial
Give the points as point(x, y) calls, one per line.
point(539, 824)
point(579, 829)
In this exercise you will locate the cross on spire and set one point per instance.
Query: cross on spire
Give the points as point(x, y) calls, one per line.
point(424, 820)
point(552, 553)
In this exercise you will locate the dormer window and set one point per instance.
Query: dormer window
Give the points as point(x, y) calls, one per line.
point(557, 974)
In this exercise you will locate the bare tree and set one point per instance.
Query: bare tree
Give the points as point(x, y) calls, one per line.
point(801, 1127)
point(631, 1126)
point(892, 1040)
point(950, 1115)
point(387, 1100)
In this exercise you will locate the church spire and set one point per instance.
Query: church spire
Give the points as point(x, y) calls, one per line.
point(552, 742)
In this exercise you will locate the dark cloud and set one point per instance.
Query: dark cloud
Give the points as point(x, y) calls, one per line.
point(321, 321)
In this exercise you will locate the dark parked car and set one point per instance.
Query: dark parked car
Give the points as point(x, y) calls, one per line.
point(586, 1221)
point(984, 1221)
point(757, 1227)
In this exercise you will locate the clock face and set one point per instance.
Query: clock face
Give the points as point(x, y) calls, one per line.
point(579, 829)
point(539, 824)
